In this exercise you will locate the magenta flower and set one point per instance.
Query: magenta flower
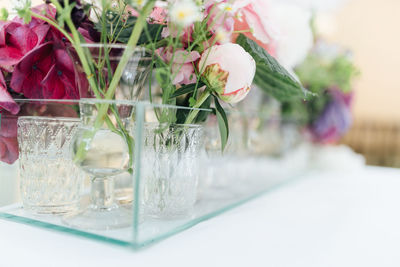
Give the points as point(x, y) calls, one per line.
point(31, 71)
point(59, 82)
point(17, 39)
point(8, 139)
point(6, 101)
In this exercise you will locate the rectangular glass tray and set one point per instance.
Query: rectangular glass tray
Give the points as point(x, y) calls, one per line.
point(231, 179)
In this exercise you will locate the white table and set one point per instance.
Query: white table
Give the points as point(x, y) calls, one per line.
point(328, 219)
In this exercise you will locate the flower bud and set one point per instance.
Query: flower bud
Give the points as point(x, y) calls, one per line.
point(229, 70)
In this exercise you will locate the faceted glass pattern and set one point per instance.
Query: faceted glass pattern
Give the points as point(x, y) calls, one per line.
point(171, 170)
point(50, 181)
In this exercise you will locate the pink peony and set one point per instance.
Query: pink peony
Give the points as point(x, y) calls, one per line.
point(254, 17)
point(230, 71)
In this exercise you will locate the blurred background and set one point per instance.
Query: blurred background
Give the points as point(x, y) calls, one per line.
point(369, 29)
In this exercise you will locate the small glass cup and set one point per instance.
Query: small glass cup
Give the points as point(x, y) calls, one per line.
point(50, 181)
point(171, 167)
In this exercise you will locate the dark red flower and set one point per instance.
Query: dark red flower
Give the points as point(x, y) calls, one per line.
point(17, 39)
point(60, 80)
point(30, 72)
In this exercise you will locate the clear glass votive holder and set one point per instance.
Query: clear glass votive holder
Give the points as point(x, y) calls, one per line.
point(50, 183)
point(171, 169)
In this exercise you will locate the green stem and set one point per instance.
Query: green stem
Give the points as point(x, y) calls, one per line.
point(129, 51)
point(192, 115)
point(55, 25)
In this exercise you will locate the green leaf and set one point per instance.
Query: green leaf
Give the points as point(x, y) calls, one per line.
point(202, 116)
point(271, 77)
point(222, 123)
point(3, 14)
point(24, 11)
point(122, 30)
point(186, 89)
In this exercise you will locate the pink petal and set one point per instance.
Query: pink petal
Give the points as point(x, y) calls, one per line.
point(8, 149)
point(41, 32)
point(23, 38)
point(6, 101)
point(3, 25)
point(9, 56)
point(184, 74)
point(31, 70)
point(59, 84)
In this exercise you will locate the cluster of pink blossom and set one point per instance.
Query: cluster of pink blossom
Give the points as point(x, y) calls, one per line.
point(35, 62)
point(219, 57)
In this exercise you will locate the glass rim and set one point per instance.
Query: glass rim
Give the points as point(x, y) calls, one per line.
point(104, 101)
point(116, 46)
point(46, 118)
point(138, 49)
point(191, 125)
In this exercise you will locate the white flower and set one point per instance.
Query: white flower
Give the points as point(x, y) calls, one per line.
point(138, 3)
point(20, 4)
point(229, 70)
point(295, 37)
point(184, 13)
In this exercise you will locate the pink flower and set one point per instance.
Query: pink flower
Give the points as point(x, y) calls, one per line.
point(31, 71)
point(59, 82)
point(229, 70)
point(182, 66)
point(18, 39)
point(158, 15)
point(6, 101)
point(254, 17)
point(8, 138)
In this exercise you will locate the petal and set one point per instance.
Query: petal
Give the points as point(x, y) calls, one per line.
point(59, 84)
point(41, 32)
point(22, 38)
point(3, 25)
point(8, 149)
point(31, 70)
point(64, 60)
point(6, 101)
point(9, 56)
point(8, 139)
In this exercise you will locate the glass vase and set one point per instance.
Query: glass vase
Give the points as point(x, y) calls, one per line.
point(50, 181)
point(105, 58)
point(103, 148)
point(171, 169)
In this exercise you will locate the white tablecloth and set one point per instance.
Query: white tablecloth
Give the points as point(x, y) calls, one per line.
point(328, 219)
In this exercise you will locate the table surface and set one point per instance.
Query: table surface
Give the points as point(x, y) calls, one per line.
point(330, 218)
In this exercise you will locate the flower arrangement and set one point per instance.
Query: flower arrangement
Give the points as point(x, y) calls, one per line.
point(328, 71)
point(204, 53)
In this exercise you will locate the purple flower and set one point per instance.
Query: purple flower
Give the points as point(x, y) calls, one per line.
point(335, 120)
